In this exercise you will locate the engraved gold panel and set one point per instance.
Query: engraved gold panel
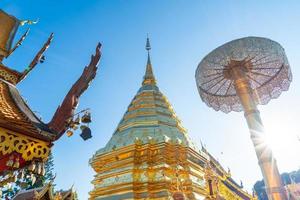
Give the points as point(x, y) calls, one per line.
point(29, 148)
point(8, 76)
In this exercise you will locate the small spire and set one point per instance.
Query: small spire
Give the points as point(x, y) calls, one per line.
point(149, 78)
point(148, 46)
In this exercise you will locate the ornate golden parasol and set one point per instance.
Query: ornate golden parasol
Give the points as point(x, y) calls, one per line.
point(239, 75)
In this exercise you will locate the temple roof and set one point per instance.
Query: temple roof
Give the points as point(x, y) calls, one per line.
point(149, 116)
point(229, 182)
point(40, 193)
point(27, 194)
point(15, 114)
point(45, 193)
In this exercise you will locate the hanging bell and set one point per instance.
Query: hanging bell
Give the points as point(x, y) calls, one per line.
point(32, 167)
point(42, 59)
point(73, 125)
point(38, 168)
point(17, 163)
point(69, 121)
point(86, 132)
point(77, 120)
point(43, 170)
point(69, 133)
point(86, 118)
point(33, 179)
point(10, 162)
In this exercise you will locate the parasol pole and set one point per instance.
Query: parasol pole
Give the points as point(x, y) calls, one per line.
point(266, 160)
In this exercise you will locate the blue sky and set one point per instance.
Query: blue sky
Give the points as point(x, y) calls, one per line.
point(182, 33)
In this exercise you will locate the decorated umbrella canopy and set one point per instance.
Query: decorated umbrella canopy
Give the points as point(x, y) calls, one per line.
point(263, 62)
point(239, 75)
point(25, 140)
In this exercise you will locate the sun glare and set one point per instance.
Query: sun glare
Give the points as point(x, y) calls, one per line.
point(283, 138)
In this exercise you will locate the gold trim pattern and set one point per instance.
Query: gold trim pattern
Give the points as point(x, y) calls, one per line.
point(8, 76)
point(28, 147)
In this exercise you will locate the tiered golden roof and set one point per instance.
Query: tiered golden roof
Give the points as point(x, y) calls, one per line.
point(150, 156)
point(15, 114)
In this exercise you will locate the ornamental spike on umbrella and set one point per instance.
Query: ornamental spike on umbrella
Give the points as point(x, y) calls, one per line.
point(239, 75)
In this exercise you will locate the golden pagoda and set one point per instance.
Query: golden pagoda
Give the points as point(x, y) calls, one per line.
point(150, 156)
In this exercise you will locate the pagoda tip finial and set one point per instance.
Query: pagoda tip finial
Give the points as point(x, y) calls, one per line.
point(149, 77)
point(148, 46)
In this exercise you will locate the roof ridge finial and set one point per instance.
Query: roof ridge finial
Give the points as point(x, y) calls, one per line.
point(149, 76)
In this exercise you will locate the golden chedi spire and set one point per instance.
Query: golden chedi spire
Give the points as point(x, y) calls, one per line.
point(150, 155)
point(149, 78)
point(136, 162)
point(148, 115)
